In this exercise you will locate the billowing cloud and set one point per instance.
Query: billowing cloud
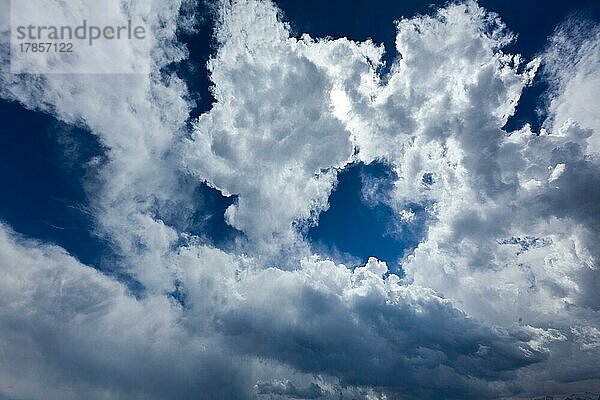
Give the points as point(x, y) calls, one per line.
point(69, 327)
point(68, 331)
point(571, 67)
point(500, 297)
point(271, 137)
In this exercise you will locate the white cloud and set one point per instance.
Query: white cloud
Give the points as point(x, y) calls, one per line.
point(557, 171)
point(496, 298)
point(497, 196)
point(571, 66)
point(67, 331)
point(271, 138)
point(137, 118)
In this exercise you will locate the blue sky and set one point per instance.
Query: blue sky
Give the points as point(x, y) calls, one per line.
point(309, 216)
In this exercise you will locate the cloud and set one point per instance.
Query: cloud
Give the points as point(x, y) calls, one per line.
point(289, 390)
point(499, 298)
point(70, 331)
point(369, 331)
point(490, 186)
point(271, 137)
point(137, 118)
point(570, 66)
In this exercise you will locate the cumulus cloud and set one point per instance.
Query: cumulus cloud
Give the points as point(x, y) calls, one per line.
point(68, 331)
point(493, 189)
point(68, 328)
point(499, 298)
point(271, 137)
point(370, 331)
point(571, 63)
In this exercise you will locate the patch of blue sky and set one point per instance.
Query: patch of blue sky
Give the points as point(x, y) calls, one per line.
point(43, 174)
point(202, 215)
point(360, 223)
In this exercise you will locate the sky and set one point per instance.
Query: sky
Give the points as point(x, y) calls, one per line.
point(306, 200)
